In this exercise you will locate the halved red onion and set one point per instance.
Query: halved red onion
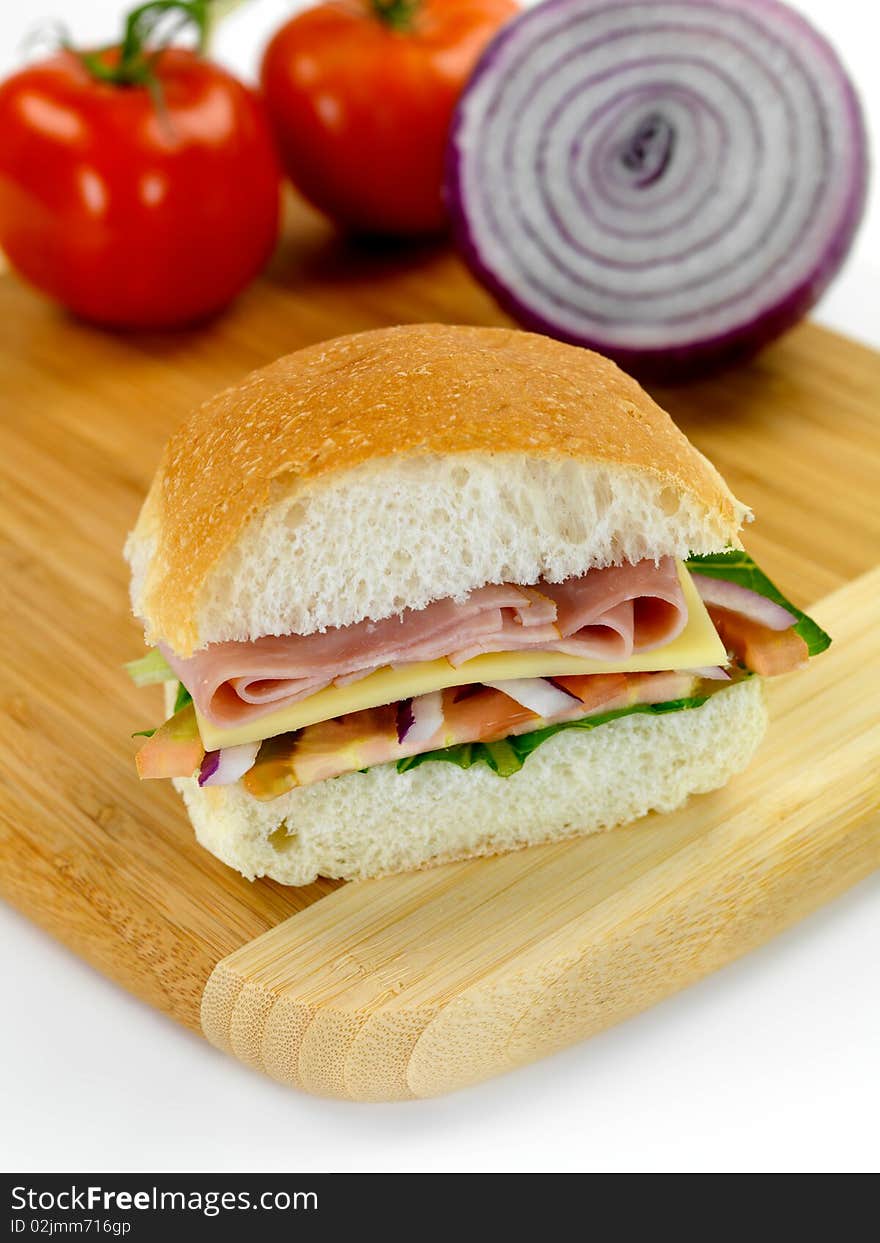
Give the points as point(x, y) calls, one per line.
point(725, 595)
point(418, 719)
point(712, 673)
point(224, 768)
point(538, 695)
point(671, 183)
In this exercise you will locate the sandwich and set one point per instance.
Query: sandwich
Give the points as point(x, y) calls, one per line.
point(433, 592)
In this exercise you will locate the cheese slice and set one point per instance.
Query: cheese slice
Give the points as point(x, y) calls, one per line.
point(697, 646)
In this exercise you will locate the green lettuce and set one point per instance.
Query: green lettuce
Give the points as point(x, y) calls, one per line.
point(149, 669)
point(182, 698)
point(737, 566)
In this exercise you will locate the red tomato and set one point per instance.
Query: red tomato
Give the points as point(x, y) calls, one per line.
point(361, 93)
point(131, 212)
point(764, 651)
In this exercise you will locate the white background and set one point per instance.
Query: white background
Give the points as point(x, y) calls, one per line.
point(769, 1065)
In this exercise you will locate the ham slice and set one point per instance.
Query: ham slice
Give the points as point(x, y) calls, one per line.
point(609, 613)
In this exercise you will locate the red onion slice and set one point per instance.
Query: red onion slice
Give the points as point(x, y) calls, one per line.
point(712, 673)
point(671, 183)
point(725, 595)
point(405, 718)
point(224, 768)
point(419, 719)
point(537, 694)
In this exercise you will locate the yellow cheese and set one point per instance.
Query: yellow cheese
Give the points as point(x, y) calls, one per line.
point(697, 645)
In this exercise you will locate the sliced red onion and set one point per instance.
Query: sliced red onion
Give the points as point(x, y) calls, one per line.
point(223, 768)
point(537, 694)
point(712, 673)
point(405, 718)
point(725, 595)
point(671, 183)
point(418, 719)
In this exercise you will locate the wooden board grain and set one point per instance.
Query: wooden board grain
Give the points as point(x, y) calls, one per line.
point(109, 866)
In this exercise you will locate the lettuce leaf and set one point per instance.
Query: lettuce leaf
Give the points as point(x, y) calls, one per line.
point(737, 566)
point(149, 669)
point(182, 698)
point(508, 756)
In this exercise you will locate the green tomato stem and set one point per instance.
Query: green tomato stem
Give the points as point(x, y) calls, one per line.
point(398, 14)
point(138, 48)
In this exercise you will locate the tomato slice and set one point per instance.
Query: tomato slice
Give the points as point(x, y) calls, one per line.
point(595, 690)
point(764, 651)
point(344, 744)
point(483, 716)
point(272, 774)
point(175, 750)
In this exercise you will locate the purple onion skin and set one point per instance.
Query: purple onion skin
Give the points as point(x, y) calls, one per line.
point(405, 718)
point(694, 360)
point(209, 765)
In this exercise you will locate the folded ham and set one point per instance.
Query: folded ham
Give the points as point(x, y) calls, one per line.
point(606, 614)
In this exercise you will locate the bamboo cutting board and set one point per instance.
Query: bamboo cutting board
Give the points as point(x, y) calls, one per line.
point(411, 985)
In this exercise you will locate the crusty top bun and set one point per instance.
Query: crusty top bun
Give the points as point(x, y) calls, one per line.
point(387, 469)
